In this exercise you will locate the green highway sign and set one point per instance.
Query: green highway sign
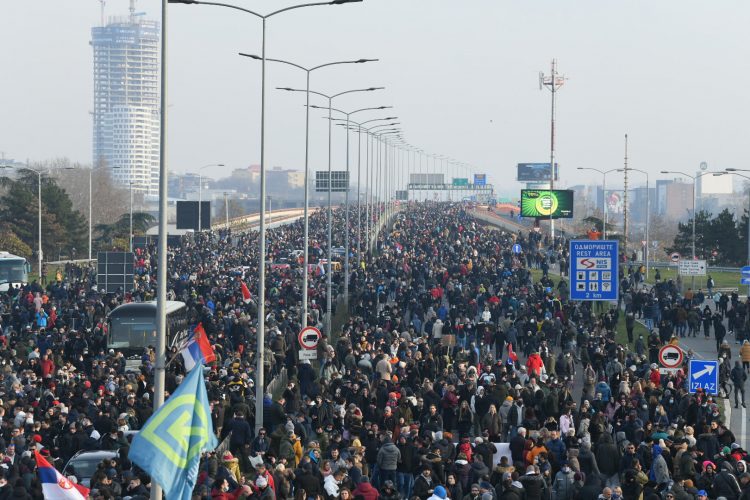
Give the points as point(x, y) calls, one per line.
point(460, 182)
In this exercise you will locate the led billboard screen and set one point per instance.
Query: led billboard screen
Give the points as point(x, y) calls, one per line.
point(545, 203)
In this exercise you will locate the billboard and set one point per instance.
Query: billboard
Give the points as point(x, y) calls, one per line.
point(114, 272)
point(426, 179)
point(615, 201)
point(536, 172)
point(187, 215)
point(480, 179)
point(339, 181)
point(546, 203)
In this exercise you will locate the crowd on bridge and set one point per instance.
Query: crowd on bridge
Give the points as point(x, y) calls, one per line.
point(459, 369)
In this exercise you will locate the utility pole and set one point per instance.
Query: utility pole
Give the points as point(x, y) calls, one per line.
point(625, 201)
point(553, 82)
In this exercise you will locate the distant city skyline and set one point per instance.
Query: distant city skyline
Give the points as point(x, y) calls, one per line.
point(462, 79)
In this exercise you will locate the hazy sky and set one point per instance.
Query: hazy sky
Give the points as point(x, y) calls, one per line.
point(462, 76)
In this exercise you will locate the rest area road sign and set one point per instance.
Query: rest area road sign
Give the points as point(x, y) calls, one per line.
point(593, 270)
point(703, 375)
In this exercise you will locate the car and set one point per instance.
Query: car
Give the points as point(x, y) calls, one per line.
point(84, 464)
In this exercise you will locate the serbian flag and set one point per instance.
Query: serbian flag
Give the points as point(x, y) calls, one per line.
point(55, 486)
point(245, 292)
point(198, 349)
point(511, 354)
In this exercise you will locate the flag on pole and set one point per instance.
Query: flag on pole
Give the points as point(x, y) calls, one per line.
point(169, 445)
point(245, 292)
point(511, 354)
point(55, 486)
point(198, 349)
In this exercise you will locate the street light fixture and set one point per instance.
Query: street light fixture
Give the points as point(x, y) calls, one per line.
point(329, 278)
point(604, 194)
point(306, 240)
point(259, 382)
point(200, 192)
point(648, 213)
point(735, 171)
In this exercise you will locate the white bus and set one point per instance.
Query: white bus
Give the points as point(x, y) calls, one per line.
point(14, 271)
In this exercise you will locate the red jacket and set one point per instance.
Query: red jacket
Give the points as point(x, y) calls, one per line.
point(534, 365)
point(367, 491)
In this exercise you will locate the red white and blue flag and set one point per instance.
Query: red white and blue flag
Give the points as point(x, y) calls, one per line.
point(198, 349)
point(55, 486)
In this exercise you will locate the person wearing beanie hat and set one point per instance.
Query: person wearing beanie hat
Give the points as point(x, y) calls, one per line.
point(439, 492)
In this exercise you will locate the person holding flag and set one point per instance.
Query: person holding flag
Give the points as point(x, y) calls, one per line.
point(198, 349)
point(169, 446)
point(55, 486)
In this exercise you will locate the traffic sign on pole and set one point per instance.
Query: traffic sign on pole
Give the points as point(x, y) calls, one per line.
point(674, 257)
point(671, 356)
point(703, 375)
point(516, 248)
point(593, 270)
point(692, 267)
point(745, 272)
point(309, 337)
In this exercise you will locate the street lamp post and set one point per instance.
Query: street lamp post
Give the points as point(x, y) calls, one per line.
point(306, 221)
point(200, 192)
point(359, 128)
point(735, 171)
point(259, 382)
point(648, 213)
point(695, 179)
point(329, 279)
point(226, 210)
point(604, 195)
point(130, 234)
point(346, 195)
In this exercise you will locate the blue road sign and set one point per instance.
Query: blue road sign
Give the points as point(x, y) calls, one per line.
point(516, 248)
point(745, 272)
point(703, 375)
point(593, 270)
point(744, 281)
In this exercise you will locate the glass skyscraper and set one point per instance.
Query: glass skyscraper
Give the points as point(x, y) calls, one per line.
point(126, 101)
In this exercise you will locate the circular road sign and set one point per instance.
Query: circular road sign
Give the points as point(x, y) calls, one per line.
point(309, 338)
point(674, 257)
point(670, 356)
point(516, 248)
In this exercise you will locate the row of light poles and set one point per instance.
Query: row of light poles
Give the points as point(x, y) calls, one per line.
point(259, 381)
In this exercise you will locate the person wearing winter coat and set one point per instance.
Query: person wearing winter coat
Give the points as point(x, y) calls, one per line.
point(659, 472)
point(607, 456)
point(725, 483)
point(388, 458)
point(534, 484)
point(493, 424)
point(563, 485)
point(365, 490)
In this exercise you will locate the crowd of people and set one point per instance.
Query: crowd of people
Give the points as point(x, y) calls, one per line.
point(459, 370)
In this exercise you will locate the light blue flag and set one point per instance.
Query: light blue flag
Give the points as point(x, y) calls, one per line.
point(169, 446)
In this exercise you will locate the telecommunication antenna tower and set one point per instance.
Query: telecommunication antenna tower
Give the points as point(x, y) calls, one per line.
point(553, 82)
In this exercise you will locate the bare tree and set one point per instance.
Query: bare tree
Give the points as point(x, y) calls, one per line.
point(109, 200)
